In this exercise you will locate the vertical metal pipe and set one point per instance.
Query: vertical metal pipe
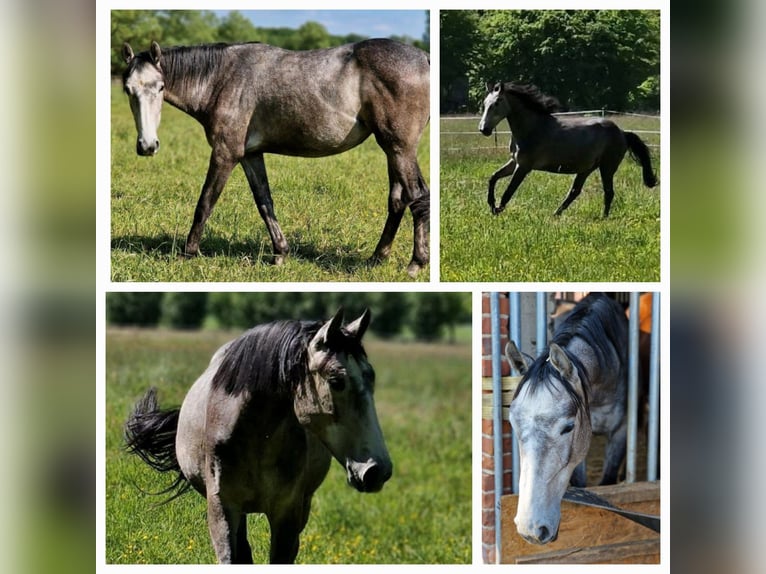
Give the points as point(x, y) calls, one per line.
point(652, 459)
point(515, 335)
point(497, 412)
point(542, 322)
point(630, 461)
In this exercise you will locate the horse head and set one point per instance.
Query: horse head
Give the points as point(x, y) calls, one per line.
point(336, 402)
point(550, 418)
point(144, 83)
point(495, 108)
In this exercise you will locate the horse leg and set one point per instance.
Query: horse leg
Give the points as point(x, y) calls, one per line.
point(407, 187)
point(615, 453)
point(574, 191)
point(244, 552)
point(518, 176)
point(607, 181)
point(504, 171)
point(285, 531)
point(255, 171)
point(218, 173)
point(222, 524)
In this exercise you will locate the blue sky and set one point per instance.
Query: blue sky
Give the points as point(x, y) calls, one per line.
point(340, 22)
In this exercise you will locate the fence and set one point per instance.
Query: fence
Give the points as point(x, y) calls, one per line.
point(524, 318)
point(633, 122)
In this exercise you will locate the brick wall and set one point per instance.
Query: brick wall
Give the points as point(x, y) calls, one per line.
point(487, 436)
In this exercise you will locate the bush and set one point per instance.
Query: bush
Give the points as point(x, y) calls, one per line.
point(184, 310)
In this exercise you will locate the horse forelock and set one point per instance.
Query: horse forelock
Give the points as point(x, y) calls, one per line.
point(273, 358)
point(542, 375)
point(533, 97)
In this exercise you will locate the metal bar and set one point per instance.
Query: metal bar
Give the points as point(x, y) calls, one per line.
point(497, 412)
point(630, 461)
point(652, 457)
point(542, 322)
point(515, 335)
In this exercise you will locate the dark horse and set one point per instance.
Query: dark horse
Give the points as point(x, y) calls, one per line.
point(254, 99)
point(257, 431)
point(541, 141)
point(576, 388)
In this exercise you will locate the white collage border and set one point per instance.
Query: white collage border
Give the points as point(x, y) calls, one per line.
point(104, 283)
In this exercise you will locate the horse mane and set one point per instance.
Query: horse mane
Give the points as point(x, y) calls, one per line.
point(273, 358)
point(595, 320)
point(533, 97)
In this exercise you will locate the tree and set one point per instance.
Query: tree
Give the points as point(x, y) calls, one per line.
point(236, 28)
point(140, 309)
point(391, 311)
point(184, 310)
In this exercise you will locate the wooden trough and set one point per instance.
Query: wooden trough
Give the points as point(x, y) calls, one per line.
point(590, 535)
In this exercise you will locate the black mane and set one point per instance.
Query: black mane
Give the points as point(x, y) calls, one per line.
point(273, 358)
point(533, 97)
point(595, 320)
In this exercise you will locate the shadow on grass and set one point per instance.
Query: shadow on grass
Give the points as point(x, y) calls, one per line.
point(165, 246)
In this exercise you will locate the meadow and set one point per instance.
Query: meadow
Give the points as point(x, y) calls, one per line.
point(423, 514)
point(526, 243)
point(331, 210)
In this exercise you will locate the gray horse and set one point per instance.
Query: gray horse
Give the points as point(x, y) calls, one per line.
point(257, 431)
point(576, 388)
point(254, 99)
point(542, 141)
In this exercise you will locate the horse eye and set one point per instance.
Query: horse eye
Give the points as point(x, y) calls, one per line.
point(337, 383)
point(162, 87)
point(567, 429)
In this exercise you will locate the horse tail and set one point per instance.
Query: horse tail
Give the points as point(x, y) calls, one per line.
point(150, 433)
point(640, 154)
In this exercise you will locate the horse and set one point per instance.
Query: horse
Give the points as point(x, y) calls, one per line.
point(258, 429)
point(544, 142)
point(576, 388)
point(253, 99)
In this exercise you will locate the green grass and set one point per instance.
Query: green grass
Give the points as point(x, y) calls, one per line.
point(331, 210)
point(423, 514)
point(525, 242)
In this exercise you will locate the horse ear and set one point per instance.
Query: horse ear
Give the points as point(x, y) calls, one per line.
point(499, 87)
point(561, 362)
point(330, 329)
point(357, 328)
point(517, 360)
point(127, 53)
point(155, 53)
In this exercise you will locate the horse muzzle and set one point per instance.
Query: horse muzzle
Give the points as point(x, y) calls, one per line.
point(485, 130)
point(147, 148)
point(540, 535)
point(369, 476)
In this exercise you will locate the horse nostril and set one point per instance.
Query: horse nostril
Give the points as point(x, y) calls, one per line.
point(543, 534)
point(375, 477)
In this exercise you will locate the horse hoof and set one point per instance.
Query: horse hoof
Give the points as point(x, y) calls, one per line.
point(497, 210)
point(184, 255)
point(413, 269)
point(278, 260)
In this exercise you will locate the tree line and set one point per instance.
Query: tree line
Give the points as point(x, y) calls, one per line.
point(188, 27)
point(426, 316)
point(588, 59)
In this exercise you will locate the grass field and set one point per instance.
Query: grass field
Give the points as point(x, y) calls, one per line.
point(423, 514)
point(331, 210)
point(525, 242)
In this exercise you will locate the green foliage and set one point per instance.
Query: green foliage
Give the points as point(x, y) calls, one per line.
point(133, 308)
point(426, 315)
point(184, 310)
point(589, 59)
point(188, 27)
point(422, 516)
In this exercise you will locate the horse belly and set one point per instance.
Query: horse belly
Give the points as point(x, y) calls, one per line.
point(328, 138)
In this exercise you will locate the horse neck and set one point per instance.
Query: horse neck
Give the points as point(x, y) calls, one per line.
point(523, 120)
point(187, 87)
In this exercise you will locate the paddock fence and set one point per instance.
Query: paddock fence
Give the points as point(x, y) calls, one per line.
point(460, 133)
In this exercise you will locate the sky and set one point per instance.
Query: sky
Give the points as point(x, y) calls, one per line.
point(372, 23)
